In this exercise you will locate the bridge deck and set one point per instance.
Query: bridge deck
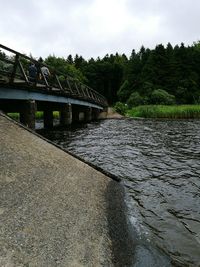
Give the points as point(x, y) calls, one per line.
point(14, 74)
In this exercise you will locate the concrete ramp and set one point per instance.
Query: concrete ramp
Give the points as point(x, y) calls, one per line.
point(54, 209)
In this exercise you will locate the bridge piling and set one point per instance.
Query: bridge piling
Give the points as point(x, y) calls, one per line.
point(66, 114)
point(95, 113)
point(27, 113)
point(88, 114)
point(48, 118)
point(75, 113)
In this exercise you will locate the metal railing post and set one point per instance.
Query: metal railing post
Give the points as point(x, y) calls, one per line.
point(12, 77)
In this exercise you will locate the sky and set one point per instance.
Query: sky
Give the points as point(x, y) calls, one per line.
point(93, 28)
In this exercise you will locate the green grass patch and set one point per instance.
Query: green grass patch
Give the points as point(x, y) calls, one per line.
point(39, 115)
point(56, 114)
point(162, 111)
point(14, 116)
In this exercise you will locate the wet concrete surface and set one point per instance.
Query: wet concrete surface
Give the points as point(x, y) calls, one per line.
point(56, 210)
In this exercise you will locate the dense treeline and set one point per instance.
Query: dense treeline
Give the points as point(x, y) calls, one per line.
point(164, 75)
point(104, 75)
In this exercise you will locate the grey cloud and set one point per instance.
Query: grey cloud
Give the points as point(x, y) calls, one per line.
point(179, 19)
point(67, 27)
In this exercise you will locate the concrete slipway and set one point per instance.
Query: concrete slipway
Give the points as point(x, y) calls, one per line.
point(56, 210)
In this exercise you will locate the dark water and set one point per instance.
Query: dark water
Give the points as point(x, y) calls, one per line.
point(159, 163)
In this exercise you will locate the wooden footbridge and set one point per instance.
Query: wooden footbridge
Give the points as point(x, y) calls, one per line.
point(19, 92)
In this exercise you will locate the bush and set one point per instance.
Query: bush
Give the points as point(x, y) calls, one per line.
point(135, 99)
point(161, 97)
point(121, 108)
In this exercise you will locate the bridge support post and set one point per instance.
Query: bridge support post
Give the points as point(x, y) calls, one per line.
point(27, 113)
point(48, 118)
point(95, 113)
point(75, 113)
point(88, 114)
point(66, 114)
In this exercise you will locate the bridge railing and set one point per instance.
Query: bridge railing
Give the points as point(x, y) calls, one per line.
point(14, 71)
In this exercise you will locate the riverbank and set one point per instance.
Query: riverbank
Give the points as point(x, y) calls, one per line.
point(56, 210)
point(110, 113)
point(163, 111)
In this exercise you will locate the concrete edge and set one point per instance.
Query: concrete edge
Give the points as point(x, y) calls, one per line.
point(122, 241)
point(110, 175)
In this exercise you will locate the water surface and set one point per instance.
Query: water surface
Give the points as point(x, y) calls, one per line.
point(158, 161)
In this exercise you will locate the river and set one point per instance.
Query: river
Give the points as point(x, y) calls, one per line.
point(158, 162)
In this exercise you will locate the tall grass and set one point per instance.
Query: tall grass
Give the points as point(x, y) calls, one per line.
point(39, 115)
point(162, 111)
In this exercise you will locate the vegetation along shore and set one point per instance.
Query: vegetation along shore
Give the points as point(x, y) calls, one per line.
point(160, 111)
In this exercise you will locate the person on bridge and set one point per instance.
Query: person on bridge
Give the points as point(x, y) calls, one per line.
point(45, 71)
point(32, 72)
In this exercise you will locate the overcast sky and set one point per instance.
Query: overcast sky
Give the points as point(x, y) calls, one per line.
point(94, 28)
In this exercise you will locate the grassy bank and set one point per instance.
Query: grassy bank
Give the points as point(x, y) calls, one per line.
point(39, 115)
point(161, 111)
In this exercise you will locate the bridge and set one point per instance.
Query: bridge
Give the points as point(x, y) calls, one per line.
point(20, 93)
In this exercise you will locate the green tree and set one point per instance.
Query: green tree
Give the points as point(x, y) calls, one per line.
point(124, 91)
point(121, 108)
point(161, 97)
point(135, 99)
point(63, 68)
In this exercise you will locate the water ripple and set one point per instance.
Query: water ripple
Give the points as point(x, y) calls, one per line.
point(159, 163)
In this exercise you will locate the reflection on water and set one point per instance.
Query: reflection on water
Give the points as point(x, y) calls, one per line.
point(159, 164)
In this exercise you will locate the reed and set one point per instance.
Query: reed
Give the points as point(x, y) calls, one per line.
point(162, 111)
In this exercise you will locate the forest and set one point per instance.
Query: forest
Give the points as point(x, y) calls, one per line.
point(163, 75)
